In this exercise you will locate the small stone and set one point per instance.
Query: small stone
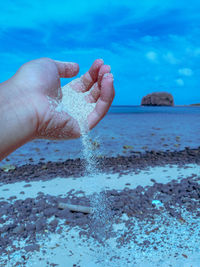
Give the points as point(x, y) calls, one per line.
point(157, 203)
point(30, 227)
point(54, 223)
point(49, 212)
point(44, 167)
point(19, 229)
point(127, 147)
point(8, 167)
point(31, 248)
point(12, 198)
point(27, 185)
point(40, 224)
point(63, 214)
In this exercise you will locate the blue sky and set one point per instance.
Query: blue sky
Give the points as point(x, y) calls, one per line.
point(151, 45)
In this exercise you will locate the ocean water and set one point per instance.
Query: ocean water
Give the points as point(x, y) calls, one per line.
point(124, 130)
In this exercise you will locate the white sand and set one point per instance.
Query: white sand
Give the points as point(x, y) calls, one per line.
point(85, 252)
point(97, 183)
point(73, 249)
point(74, 103)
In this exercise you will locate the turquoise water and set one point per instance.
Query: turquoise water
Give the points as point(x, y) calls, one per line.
point(140, 128)
point(153, 109)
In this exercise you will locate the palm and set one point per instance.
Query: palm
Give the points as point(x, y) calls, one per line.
point(41, 82)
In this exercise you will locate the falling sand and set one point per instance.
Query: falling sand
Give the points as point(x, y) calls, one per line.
point(75, 104)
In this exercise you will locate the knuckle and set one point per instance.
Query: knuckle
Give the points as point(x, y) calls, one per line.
point(44, 59)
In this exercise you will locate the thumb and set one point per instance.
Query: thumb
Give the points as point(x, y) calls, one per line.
point(67, 69)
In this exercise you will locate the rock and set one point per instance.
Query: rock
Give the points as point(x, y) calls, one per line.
point(54, 223)
point(32, 247)
point(49, 212)
point(19, 229)
point(158, 99)
point(30, 227)
point(27, 185)
point(127, 147)
point(8, 167)
point(40, 224)
point(63, 214)
point(77, 208)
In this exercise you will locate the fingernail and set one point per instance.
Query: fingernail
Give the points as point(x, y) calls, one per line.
point(107, 67)
point(101, 59)
point(108, 75)
point(74, 65)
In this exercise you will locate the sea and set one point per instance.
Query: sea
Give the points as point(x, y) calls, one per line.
point(123, 131)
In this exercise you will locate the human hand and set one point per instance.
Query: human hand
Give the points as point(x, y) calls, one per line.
point(38, 86)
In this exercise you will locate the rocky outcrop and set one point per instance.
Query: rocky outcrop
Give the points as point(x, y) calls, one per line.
point(158, 99)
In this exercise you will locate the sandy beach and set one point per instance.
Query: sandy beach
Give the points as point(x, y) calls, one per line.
point(99, 133)
point(150, 215)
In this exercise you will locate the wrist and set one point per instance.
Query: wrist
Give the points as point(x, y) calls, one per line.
point(18, 121)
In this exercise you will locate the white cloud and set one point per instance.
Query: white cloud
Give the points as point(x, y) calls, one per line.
point(170, 58)
point(152, 56)
point(197, 52)
point(179, 82)
point(185, 72)
point(149, 38)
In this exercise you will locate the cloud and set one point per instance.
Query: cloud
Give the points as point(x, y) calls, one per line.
point(179, 82)
point(185, 72)
point(130, 38)
point(197, 52)
point(36, 13)
point(170, 58)
point(152, 56)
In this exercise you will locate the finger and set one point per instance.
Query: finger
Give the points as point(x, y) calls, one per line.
point(104, 101)
point(90, 77)
point(67, 69)
point(95, 90)
point(94, 94)
point(103, 70)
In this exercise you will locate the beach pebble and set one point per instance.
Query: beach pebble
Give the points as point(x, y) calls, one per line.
point(54, 223)
point(157, 203)
point(40, 224)
point(32, 217)
point(50, 211)
point(30, 227)
point(27, 185)
point(3, 229)
point(64, 214)
point(31, 248)
point(4, 210)
point(19, 229)
point(12, 198)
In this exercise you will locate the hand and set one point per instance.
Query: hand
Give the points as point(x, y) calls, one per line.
point(37, 87)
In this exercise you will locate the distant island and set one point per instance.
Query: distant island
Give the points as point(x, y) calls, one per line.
point(197, 104)
point(158, 99)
